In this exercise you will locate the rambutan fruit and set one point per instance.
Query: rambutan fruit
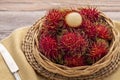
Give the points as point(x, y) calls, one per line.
point(67, 12)
point(90, 13)
point(86, 23)
point(48, 47)
point(98, 50)
point(54, 16)
point(104, 32)
point(49, 26)
point(89, 29)
point(73, 43)
point(73, 19)
point(90, 32)
point(74, 60)
point(49, 29)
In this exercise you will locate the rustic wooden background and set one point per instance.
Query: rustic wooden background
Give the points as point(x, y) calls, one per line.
point(20, 13)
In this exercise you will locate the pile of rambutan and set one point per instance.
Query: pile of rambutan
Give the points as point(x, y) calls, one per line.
point(80, 45)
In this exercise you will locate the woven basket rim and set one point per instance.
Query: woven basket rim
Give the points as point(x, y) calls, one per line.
point(67, 71)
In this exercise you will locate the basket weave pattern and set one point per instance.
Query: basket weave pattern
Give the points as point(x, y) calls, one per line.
point(53, 71)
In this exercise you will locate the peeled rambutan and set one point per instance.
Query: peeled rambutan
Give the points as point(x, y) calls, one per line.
point(104, 32)
point(73, 43)
point(54, 16)
point(66, 12)
point(90, 13)
point(98, 50)
point(48, 47)
point(74, 60)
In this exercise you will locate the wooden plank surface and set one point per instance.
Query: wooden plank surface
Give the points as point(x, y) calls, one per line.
point(33, 5)
point(19, 13)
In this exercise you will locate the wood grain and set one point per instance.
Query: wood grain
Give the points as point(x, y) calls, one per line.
point(20, 13)
point(33, 5)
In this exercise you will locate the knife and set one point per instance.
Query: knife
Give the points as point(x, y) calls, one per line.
point(10, 62)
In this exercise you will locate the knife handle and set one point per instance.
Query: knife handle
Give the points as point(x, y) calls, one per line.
point(17, 76)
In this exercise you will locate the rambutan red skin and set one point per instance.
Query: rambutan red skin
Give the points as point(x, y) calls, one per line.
point(49, 30)
point(73, 43)
point(90, 31)
point(90, 13)
point(104, 32)
point(74, 61)
point(54, 16)
point(48, 47)
point(49, 26)
point(98, 50)
point(89, 28)
point(86, 23)
point(53, 21)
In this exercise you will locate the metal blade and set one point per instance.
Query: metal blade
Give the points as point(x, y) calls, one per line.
point(8, 59)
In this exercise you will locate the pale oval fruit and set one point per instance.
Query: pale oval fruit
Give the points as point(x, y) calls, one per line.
point(73, 19)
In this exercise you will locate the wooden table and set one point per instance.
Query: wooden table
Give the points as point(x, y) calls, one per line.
point(19, 13)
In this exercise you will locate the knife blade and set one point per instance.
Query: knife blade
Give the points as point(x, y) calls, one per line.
point(10, 62)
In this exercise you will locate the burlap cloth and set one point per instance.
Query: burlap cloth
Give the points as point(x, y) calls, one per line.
point(13, 45)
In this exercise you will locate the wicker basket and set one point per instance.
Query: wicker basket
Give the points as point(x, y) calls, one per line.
point(45, 67)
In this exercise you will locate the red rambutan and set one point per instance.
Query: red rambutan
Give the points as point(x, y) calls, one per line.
point(90, 13)
point(54, 16)
point(73, 43)
point(74, 61)
point(104, 32)
point(49, 26)
point(98, 50)
point(49, 29)
point(89, 29)
point(48, 47)
point(86, 23)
